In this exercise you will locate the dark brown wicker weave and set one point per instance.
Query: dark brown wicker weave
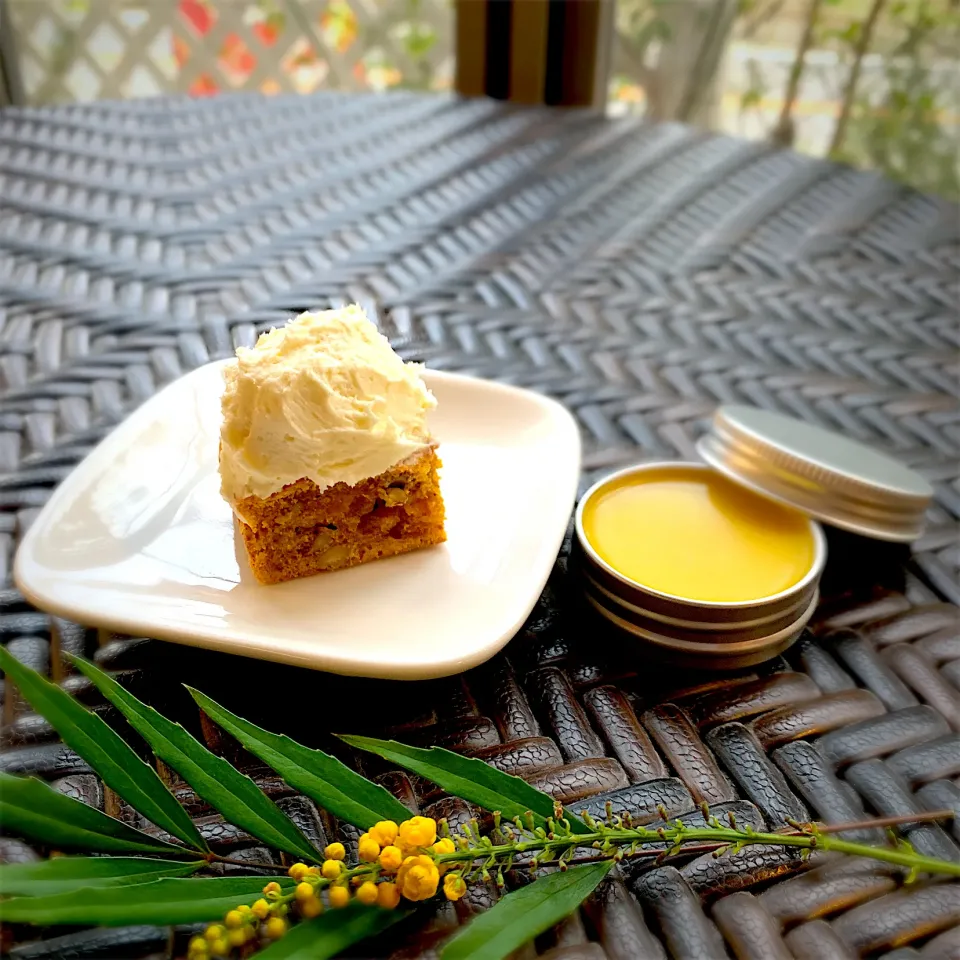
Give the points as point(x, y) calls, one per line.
point(641, 274)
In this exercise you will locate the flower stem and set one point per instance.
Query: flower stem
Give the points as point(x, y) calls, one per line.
point(608, 841)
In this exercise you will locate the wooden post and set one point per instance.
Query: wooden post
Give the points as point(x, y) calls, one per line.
point(471, 47)
point(529, 26)
point(535, 51)
point(11, 87)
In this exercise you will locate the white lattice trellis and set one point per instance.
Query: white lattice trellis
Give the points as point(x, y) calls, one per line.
point(92, 49)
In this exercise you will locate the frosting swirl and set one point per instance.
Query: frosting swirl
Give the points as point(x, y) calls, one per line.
point(324, 397)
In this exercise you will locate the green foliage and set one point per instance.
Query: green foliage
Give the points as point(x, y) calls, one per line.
point(907, 122)
point(166, 901)
point(899, 90)
point(322, 778)
point(525, 913)
point(236, 796)
point(31, 808)
point(331, 933)
point(118, 766)
point(468, 778)
point(117, 890)
point(65, 874)
point(418, 38)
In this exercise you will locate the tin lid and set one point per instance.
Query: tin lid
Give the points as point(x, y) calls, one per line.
point(839, 481)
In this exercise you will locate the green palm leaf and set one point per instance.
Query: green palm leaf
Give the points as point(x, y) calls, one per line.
point(332, 932)
point(235, 795)
point(468, 778)
point(118, 766)
point(33, 809)
point(522, 915)
point(64, 874)
point(314, 773)
point(165, 901)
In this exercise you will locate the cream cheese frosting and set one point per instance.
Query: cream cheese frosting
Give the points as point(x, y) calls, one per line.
point(324, 397)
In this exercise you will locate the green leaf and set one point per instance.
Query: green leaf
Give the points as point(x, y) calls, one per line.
point(324, 779)
point(118, 766)
point(235, 795)
point(468, 778)
point(33, 809)
point(332, 932)
point(852, 33)
point(63, 874)
point(162, 902)
point(525, 913)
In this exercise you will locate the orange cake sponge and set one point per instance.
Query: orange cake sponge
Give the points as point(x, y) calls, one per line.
point(302, 530)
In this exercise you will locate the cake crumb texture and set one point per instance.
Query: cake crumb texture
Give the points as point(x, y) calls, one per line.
point(302, 530)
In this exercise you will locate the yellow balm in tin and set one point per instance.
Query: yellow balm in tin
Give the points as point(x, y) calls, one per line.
point(692, 533)
point(702, 571)
point(718, 565)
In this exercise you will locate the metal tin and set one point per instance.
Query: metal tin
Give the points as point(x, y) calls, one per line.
point(701, 633)
point(822, 474)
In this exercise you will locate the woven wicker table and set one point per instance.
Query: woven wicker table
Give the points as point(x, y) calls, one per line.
point(640, 274)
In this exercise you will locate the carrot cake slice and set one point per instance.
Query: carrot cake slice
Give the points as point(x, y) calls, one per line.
point(325, 454)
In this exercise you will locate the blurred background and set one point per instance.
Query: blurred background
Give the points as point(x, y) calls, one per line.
point(875, 83)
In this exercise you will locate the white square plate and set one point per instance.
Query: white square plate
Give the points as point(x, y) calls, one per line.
point(138, 539)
